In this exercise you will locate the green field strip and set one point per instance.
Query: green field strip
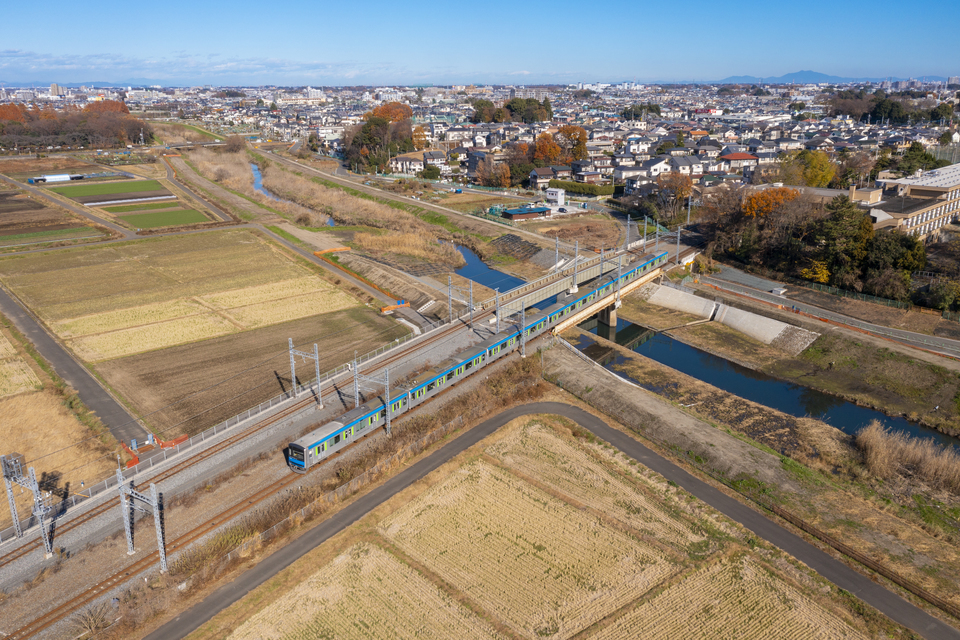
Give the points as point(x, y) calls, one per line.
point(164, 219)
point(139, 207)
point(108, 188)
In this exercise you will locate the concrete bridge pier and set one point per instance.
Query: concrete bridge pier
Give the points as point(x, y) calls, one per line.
point(608, 316)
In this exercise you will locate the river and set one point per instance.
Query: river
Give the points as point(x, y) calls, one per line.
point(793, 399)
point(258, 186)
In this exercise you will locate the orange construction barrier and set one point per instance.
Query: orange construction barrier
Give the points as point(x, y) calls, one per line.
point(323, 251)
point(391, 307)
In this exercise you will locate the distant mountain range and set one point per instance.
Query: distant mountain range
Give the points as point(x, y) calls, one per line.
point(811, 77)
point(797, 77)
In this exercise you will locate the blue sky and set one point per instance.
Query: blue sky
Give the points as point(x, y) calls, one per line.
point(361, 42)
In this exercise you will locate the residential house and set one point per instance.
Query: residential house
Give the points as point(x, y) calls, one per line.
point(540, 177)
point(406, 165)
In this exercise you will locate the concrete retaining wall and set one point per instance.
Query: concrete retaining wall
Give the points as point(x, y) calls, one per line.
point(763, 329)
point(781, 335)
point(680, 301)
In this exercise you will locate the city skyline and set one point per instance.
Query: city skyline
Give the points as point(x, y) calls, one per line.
point(246, 43)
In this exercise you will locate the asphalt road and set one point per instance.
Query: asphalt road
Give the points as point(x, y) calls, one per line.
point(830, 568)
point(114, 416)
point(739, 282)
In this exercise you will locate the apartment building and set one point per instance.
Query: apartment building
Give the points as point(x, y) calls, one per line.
point(920, 205)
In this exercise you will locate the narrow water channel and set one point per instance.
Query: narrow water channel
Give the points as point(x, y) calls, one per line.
point(790, 398)
point(478, 271)
point(258, 186)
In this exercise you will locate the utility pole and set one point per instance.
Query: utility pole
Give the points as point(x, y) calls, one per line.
point(678, 246)
point(576, 263)
point(497, 293)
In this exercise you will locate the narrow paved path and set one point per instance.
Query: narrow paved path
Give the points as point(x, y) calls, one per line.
point(115, 417)
point(830, 568)
point(172, 177)
point(945, 346)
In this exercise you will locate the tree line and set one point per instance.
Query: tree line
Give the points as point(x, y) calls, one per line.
point(784, 231)
point(516, 110)
point(107, 123)
point(906, 107)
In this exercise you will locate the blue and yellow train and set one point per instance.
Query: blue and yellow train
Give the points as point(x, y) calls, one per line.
point(326, 440)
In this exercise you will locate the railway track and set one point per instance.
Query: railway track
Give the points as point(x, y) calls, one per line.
point(129, 572)
point(87, 596)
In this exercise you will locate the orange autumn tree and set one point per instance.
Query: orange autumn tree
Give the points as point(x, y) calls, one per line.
point(106, 106)
point(14, 112)
point(392, 111)
point(767, 201)
point(546, 151)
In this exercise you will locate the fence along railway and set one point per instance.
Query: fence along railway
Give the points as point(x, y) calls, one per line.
point(604, 294)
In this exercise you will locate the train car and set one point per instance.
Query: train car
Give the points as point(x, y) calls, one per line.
point(366, 419)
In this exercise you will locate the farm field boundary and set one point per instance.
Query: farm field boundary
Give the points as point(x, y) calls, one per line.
point(892, 605)
point(108, 188)
point(262, 410)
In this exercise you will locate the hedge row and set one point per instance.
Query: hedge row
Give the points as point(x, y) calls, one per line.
point(583, 188)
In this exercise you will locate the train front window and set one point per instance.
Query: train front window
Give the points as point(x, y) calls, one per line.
point(296, 453)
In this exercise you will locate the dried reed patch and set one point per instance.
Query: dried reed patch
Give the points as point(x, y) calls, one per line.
point(147, 338)
point(277, 311)
point(126, 318)
point(364, 593)
point(495, 538)
point(16, 377)
point(536, 450)
point(38, 425)
point(888, 453)
point(411, 244)
point(731, 599)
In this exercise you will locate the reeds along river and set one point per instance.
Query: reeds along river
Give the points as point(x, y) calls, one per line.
point(793, 399)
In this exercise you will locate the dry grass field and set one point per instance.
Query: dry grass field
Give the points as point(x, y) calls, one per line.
point(541, 531)
point(164, 317)
point(603, 484)
point(159, 281)
point(365, 593)
point(736, 598)
point(493, 536)
point(15, 375)
point(37, 425)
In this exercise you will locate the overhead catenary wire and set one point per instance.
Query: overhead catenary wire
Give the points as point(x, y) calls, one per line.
point(205, 389)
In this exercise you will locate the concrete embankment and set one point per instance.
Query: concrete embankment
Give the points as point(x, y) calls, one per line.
point(784, 336)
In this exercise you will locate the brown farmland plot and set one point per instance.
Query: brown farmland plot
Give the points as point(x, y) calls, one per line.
point(739, 598)
point(364, 593)
point(493, 536)
point(169, 381)
point(536, 550)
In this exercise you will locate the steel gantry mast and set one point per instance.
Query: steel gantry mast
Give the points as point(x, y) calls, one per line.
point(306, 355)
point(462, 292)
point(372, 383)
point(12, 467)
point(128, 502)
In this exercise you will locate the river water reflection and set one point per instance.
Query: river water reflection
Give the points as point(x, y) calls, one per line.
point(793, 399)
